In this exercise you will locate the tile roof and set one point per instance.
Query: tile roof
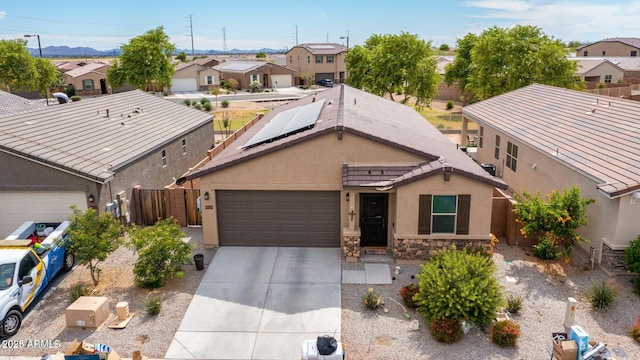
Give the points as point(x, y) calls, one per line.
point(631, 41)
point(587, 64)
point(322, 48)
point(79, 138)
point(13, 104)
point(595, 135)
point(83, 70)
point(356, 112)
point(627, 63)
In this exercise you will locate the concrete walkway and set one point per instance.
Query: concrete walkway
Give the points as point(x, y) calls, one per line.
point(261, 303)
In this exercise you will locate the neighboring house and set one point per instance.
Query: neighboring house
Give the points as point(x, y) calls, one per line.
point(13, 104)
point(346, 168)
point(630, 66)
point(65, 66)
point(317, 61)
point(208, 61)
point(598, 71)
point(442, 62)
point(92, 152)
point(89, 79)
point(543, 138)
point(191, 76)
point(619, 46)
point(269, 75)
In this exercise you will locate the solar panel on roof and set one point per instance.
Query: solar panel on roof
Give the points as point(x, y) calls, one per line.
point(318, 47)
point(238, 66)
point(286, 123)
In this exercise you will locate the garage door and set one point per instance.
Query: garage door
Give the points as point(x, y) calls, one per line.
point(281, 81)
point(278, 218)
point(20, 206)
point(183, 85)
point(322, 76)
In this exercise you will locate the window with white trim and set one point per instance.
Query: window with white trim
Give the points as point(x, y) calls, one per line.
point(87, 84)
point(209, 80)
point(444, 214)
point(318, 59)
point(496, 153)
point(184, 146)
point(164, 158)
point(329, 59)
point(607, 79)
point(512, 156)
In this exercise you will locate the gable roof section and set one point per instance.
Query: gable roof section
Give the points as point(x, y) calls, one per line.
point(14, 104)
point(79, 137)
point(595, 135)
point(631, 41)
point(585, 65)
point(628, 63)
point(350, 111)
point(83, 70)
point(322, 48)
point(244, 67)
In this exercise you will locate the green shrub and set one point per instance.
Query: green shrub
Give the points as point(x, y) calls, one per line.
point(254, 86)
point(407, 292)
point(75, 98)
point(153, 304)
point(632, 255)
point(70, 91)
point(77, 291)
point(601, 296)
point(636, 286)
point(459, 285)
point(198, 106)
point(186, 102)
point(635, 330)
point(224, 103)
point(447, 330)
point(545, 250)
point(207, 106)
point(449, 105)
point(371, 300)
point(504, 333)
point(204, 100)
point(514, 303)
point(441, 126)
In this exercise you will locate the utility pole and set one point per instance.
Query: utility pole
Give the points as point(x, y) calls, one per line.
point(327, 38)
point(191, 27)
point(224, 40)
point(296, 35)
point(346, 74)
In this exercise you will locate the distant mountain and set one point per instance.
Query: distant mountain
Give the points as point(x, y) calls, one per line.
point(65, 51)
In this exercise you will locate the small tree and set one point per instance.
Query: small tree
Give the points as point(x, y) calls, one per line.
point(232, 84)
point(161, 253)
point(214, 90)
point(556, 217)
point(182, 56)
point(93, 238)
point(459, 285)
point(444, 47)
point(255, 86)
point(261, 55)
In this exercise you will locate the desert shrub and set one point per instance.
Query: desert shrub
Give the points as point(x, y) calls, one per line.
point(254, 86)
point(447, 330)
point(70, 90)
point(207, 106)
point(75, 98)
point(198, 106)
point(186, 102)
point(153, 304)
point(632, 255)
point(407, 292)
point(449, 105)
point(514, 303)
point(224, 103)
point(601, 295)
point(459, 285)
point(635, 330)
point(504, 333)
point(77, 291)
point(161, 253)
point(441, 126)
point(371, 300)
point(204, 100)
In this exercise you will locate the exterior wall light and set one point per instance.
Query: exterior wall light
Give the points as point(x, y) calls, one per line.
point(206, 195)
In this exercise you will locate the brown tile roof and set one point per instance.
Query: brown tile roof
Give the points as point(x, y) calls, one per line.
point(595, 135)
point(359, 113)
point(13, 104)
point(322, 48)
point(631, 41)
point(586, 64)
point(91, 67)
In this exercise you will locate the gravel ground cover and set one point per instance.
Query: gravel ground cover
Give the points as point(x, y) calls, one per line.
point(545, 287)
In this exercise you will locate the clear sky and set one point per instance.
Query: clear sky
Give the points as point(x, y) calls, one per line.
point(252, 24)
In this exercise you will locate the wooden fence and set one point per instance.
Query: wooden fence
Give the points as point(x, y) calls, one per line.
point(152, 205)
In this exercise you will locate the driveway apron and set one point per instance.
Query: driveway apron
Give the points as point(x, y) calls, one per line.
point(261, 303)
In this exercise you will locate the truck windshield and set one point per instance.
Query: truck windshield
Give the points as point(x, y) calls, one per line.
point(6, 275)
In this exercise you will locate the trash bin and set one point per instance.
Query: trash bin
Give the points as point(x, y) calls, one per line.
point(490, 168)
point(199, 260)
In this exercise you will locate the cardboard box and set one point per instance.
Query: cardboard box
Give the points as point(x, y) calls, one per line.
point(565, 350)
point(88, 312)
point(78, 351)
point(582, 339)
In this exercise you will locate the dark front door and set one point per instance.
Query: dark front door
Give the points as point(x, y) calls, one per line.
point(103, 87)
point(373, 219)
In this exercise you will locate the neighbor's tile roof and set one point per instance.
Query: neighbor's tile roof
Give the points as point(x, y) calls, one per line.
point(627, 63)
point(322, 48)
point(78, 137)
point(631, 41)
point(91, 67)
point(13, 104)
point(356, 112)
point(595, 135)
point(586, 64)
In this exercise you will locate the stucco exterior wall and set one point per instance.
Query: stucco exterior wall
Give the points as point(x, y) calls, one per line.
point(601, 71)
point(202, 78)
point(78, 85)
point(610, 48)
point(304, 63)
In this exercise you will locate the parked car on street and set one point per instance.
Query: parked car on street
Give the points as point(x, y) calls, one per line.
point(325, 82)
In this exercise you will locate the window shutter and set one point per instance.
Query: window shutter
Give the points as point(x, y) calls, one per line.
point(462, 224)
point(424, 215)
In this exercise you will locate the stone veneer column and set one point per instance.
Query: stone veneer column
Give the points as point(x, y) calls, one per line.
point(351, 244)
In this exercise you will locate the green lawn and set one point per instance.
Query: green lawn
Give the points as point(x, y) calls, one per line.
point(445, 119)
point(237, 117)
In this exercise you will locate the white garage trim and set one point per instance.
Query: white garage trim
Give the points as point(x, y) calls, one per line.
point(40, 206)
point(184, 85)
point(283, 81)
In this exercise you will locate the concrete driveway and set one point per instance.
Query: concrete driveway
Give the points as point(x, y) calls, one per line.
point(261, 303)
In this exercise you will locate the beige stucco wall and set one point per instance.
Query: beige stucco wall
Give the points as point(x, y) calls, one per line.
point(304, 62)
point(202, 78)
point(602, 70)
point(612, 48)
point(96, 76)
point(610, 220)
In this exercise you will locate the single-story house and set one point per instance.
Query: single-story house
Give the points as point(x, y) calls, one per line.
point(92, 153)
point(192, 76)
point(543, 138)
point(345, 168)
point(89, 79)
point(269, 75)
point(598, 71)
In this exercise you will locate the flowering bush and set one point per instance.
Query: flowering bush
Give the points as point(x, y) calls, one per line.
point(407, 292)
point(635, 330)
point(447, 330)
point(557, 217)
point(505, 333)
point(371, 300)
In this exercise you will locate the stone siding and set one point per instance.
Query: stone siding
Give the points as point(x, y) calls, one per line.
point(351, 244)
point(422, 249)
point(613, 260)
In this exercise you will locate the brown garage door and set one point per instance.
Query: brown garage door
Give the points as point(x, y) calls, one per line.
point(278, 218)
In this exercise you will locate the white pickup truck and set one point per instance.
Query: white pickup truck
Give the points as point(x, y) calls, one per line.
point(29, 259)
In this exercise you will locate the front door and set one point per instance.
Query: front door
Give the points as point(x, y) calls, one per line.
point(373, 220)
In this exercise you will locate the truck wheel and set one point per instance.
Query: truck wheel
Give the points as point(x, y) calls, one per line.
point(11, 323)
point(69, 260)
